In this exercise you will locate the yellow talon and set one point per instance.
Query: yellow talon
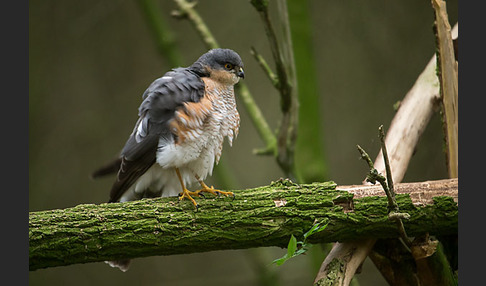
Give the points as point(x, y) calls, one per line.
point(187, 194)
point(213, 191)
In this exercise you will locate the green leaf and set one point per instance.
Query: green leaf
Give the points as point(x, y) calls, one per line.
point(292, 246)
point(311, 231)
point(314, 229)
point(300, 251)
point(281, 260)
point(321, 228)
point(292, 250)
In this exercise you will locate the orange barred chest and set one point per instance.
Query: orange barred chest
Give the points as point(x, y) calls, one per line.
point(200, 127)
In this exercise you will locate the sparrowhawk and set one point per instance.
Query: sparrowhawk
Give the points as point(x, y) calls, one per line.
point(183, 119)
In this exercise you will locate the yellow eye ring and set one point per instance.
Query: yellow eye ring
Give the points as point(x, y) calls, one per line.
point(228, 66)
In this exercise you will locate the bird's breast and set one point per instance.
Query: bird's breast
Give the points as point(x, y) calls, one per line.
point(199, 130)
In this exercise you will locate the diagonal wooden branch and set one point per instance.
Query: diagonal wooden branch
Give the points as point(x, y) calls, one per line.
point(411, 119)
point(265, 216)
point(410, 122)
point(405, 130)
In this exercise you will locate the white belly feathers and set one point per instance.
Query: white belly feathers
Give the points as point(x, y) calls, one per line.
point(201, 128)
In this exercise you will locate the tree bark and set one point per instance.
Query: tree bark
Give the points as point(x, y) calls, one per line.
point(447, 70)
point(264, 216)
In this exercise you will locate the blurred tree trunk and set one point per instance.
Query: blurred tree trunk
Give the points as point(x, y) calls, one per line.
point(310, 159)
point(265, 216)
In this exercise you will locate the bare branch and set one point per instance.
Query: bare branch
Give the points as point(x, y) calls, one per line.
point(405, 130)
point(285, 72)
point(447, 72)
point(266, 68)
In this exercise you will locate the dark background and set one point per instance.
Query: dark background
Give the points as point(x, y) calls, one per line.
point(90, 61)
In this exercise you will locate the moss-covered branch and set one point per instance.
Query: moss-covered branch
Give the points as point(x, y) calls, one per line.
point(264, 216)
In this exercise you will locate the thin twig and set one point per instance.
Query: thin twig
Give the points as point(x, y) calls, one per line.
point(373, 176)
point(187, 11)
point(287, 131)
point(284, 85)
point(366, 157)
point(266, 68)
point(257, 118)
point(394, 211)
point(391, 192)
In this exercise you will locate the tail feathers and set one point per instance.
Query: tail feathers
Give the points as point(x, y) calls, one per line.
point(123, 264)
point(108, 169)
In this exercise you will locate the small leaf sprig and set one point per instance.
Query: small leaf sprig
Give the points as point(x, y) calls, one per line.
point(296, 248)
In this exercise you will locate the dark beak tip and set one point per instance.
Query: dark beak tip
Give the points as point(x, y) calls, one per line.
point(241, 74)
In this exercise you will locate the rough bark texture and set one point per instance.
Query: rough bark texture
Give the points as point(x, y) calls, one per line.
point(264, 216)
point(448, 75)
point(334, 269)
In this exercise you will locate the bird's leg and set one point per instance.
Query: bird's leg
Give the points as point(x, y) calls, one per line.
point(185, 192)
point(211, 189)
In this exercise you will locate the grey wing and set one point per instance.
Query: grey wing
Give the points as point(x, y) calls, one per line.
point(160, 101)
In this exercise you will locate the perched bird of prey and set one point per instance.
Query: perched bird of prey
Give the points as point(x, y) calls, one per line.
point(183, 119)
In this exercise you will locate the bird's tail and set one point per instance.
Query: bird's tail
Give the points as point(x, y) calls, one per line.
point(108, 169)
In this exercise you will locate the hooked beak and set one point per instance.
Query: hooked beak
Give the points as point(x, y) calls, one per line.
point(240, 73)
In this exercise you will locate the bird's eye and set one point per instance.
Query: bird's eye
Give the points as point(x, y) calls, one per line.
point(228, 66)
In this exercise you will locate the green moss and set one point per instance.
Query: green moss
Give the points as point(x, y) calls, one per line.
point(165, 226)
point(335, 273)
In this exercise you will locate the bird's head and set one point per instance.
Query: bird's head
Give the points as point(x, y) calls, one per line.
point(223, 65)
